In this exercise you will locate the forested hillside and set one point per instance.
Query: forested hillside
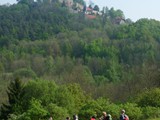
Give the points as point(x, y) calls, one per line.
point(62, 60)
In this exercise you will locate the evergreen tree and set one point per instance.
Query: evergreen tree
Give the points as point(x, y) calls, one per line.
point(15, 94)
point(96, 8)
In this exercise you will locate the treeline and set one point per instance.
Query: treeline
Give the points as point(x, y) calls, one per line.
point(45, 40)
point(39, 20)
point(40, 99)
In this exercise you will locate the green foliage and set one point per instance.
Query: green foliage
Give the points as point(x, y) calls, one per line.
point(151, 112)
point(42, 98)
point(25, 1)
point(36, 110)
point(70, 97)
point(1, 68)
point(96, 107)
point(96, 8)
point(132, 110)
point(89, 109)
point(41, 90)
point(153, 119)
point(57, 112)
point(43, 40)
point(79, 1)
point(149, 98)
point(40, 29)
point(64, 98)
point(109, 107)
point(99, 80)
point(115, 13)
point(15, 95)
point(78, 95)
point(24, 116)
point(25, 72)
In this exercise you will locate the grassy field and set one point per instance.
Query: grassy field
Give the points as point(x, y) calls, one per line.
point(154, 119)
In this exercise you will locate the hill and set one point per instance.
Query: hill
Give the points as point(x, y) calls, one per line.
point(107, 56)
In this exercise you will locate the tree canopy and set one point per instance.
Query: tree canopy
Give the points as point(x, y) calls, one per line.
point(76, 63)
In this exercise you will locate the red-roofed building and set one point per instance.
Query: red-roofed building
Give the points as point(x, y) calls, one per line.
point(89, 11)
point(90, 16)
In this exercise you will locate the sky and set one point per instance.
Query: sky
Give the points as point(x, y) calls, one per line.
point(133, 9)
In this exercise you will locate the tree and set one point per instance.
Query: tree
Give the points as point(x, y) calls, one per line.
point(105, 14)
point(57, 112)
point(36, 110)
point(89, 109)
point(149, 98)
point(40, 90)
point(115, 13)
point(25, 1)
point(64, 99)
point(96, 8)
point(90, 6)
point(15, 94)
point(79, 1)
point(78, 94)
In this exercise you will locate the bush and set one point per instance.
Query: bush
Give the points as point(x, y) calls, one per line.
point(109, 107)
point(36, 110)
point(57, 112)
point(132, 110)
point(42, 90)
point(151, 112)
point(149, 98)
point(89, 109)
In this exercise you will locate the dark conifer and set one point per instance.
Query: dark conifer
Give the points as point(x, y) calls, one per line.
point(15, 94)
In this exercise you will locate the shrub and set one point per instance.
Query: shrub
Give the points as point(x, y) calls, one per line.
point(89, 109)
point(151, 112)
point(132, 110)
point(58, 113)
point(109, 107)
point(149, 98)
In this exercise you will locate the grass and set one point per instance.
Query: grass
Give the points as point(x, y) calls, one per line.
point(154, 119)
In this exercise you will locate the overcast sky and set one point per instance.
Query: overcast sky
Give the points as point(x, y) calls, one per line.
point(133, 9)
